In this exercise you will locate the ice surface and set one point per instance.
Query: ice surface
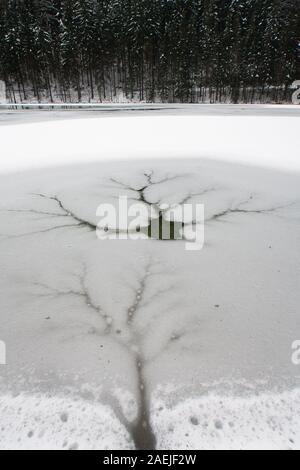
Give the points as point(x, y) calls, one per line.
point(142, 341)
point(254, 140)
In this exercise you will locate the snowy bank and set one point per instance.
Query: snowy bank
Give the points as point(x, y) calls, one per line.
point(268, 421)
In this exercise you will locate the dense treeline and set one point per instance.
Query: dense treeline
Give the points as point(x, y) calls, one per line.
point(154, 50)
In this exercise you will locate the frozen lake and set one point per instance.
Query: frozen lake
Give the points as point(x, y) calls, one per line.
point(141, 343)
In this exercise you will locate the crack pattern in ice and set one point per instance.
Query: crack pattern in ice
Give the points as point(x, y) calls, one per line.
point(129, 336)
point(139, 193)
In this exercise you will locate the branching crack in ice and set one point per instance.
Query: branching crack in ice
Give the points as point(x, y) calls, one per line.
point(140, 430)
point(240, 210)
point(37, 212)
point(193, 194)
point(161, 208)
point(139, 194)
point(126, 334)
point(82, 293)
point(67, 212)
point(78, 222)
point(139, 297)
point(37, 232)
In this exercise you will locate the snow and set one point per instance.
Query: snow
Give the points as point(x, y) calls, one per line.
point(97, 331)
point(209, 423)
point(14, 114)
point(251, 140)
point(29, 422)
point(217, 422)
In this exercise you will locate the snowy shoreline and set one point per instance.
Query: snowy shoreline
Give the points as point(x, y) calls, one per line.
point(269, 421)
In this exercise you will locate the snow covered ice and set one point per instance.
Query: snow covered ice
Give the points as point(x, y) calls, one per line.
point(121, 343)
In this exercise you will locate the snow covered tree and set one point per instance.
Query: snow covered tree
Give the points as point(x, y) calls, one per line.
point(166, 50)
